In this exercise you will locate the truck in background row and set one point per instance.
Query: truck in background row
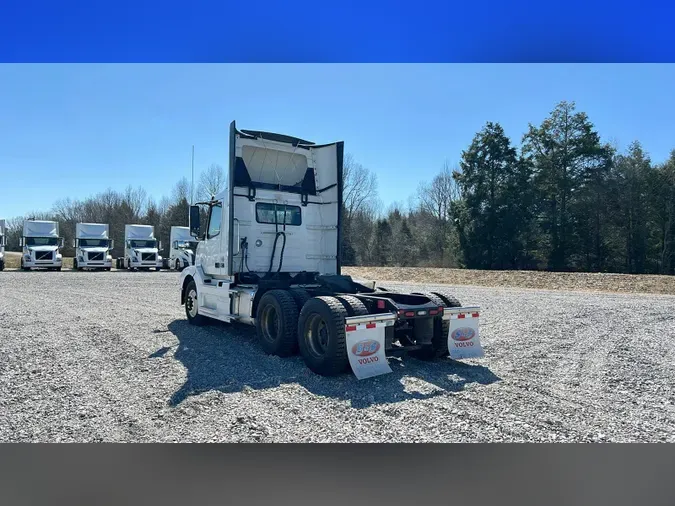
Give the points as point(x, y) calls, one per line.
point(182, 248)
point(269, 256)
point(41, 245)
point(3, 241)
point(141, 249)
point(92, 246)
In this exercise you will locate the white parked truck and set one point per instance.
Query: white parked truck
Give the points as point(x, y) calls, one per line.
point(3, 242)
point(92, 246)
point(141, 249)
point(182, 248)
point(41, 245)
point(269, 256)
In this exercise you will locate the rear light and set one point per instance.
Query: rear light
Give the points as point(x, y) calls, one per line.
point(433, 312)
point(409, 314)
point(351, 328)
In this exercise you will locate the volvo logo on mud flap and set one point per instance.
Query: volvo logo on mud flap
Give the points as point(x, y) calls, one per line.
point(463, 334)
point(365, 348)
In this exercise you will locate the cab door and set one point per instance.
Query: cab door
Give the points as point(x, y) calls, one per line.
point(214, 260)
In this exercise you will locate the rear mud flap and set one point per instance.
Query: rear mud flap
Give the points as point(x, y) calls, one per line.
point(463, 338)
point(366, 344)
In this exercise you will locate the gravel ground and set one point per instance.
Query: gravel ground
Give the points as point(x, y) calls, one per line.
point(109, 357)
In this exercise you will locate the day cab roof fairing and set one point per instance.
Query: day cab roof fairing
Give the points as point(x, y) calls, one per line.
point(303, 169)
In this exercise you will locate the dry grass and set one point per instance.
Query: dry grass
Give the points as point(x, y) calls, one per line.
point(571, 281)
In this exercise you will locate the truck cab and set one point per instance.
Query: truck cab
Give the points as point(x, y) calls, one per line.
point(141, 249)
point(41, 245)
point(183, 248)
point(269, 256)
point(3, 242)
point(92, 247)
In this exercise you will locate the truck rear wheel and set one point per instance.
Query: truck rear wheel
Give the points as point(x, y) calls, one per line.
point(321, 336)
point(449, 300)
point(353, 306)
point(300, 296)
point(192, 305)
point(439, 341)
point(277, 323)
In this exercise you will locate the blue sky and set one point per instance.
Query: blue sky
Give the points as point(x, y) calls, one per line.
point(75, 130)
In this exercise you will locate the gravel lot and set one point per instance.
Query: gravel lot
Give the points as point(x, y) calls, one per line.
point(109, 357)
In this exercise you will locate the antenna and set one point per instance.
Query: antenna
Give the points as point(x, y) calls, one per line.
point(192, 184)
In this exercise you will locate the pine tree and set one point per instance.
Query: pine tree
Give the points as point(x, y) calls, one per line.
point(492, 215)
point(570, 169)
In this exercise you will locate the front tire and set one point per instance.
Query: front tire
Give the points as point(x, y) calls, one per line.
point(192, 306)
point(321, 336)
point(276, 323)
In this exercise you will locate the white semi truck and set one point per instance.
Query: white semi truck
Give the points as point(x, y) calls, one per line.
point(92, 246)
point(141, 249)
point(182, 248)
point(3, 242)
point(41, 245)
point(269, 256)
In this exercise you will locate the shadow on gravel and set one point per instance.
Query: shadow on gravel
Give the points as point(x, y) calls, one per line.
point(227, 358)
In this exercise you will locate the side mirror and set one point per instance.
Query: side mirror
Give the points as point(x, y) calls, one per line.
point(174, 245)
point(112, 243)
point(194, 221)
point(21, 242)
point(160, 245)
point(74, 243)
point(61, 242)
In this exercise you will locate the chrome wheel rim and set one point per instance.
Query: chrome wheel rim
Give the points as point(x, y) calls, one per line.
point(191, 303)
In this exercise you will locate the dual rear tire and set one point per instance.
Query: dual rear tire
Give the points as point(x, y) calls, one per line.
point(292, 321)
point(288, 321)
point(439, 341)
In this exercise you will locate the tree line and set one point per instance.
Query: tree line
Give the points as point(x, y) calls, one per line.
point(560, 200)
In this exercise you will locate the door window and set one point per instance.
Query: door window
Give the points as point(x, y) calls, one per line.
point(214, 221)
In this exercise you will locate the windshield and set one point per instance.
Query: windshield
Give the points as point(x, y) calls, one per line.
point(93, 243)
point(42, 241)
point(187, 244)
point(145, 243)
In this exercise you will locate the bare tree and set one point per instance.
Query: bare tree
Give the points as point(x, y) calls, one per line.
point(360, 188)
point(135, 199)
point(181, 191)
point(211, 182)
point(436, 198)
